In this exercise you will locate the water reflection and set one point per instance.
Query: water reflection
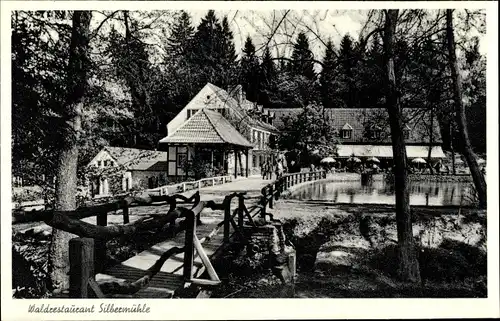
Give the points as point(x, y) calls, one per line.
point(381, 192)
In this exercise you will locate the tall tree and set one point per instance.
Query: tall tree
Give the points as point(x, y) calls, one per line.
point(212, 51)
point(328, 81)
point(477, 176)
point(475, 91)
point(250, 71)
point(302, 58)
point(269, 74)
point(37, 91)
point(408, 264)
point(346, 71)
point(180, 40)
point(76, 78)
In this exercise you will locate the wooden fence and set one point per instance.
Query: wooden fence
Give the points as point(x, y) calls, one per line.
point(187, 186)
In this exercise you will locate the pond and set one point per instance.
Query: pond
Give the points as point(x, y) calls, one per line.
point(382, 192)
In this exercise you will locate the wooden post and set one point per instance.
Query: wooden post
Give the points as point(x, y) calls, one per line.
point(126, 219)
point(235, 164)
point(292, 263)
point(241, 204)
point(212, 160)
point(100, 245)
point(247, 171)
point(271, 200)
point(204, 258)
point(189, 246)
point(227, 218)
point(81, 260)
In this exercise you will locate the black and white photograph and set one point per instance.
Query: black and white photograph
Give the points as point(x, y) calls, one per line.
point(246, 152)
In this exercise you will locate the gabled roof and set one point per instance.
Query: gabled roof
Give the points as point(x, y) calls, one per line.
point(207, 127)
point(139, 159)
point(240, 111)
point(347, 126)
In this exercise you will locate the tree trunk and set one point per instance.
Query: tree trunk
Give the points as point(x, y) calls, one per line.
point(452, 148)
point(68, 157)
point(477, 176)
point(431, 141)
point(408, 269)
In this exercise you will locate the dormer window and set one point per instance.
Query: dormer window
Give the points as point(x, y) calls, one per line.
point(346, 131)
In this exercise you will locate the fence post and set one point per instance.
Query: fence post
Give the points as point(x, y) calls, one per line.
point(189, 246)
point(227, 217)
point(126, 218)
point(271, 199)
point(81, 260)
point(99, 244)
point(241, 204)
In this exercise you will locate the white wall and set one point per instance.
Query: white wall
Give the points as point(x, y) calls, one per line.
point(102, 156)
point(199, 101)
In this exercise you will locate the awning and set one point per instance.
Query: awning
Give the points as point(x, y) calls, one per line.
point(385, 151)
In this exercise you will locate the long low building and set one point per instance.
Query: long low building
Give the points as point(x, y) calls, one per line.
point(385, 151)
point(365, 133)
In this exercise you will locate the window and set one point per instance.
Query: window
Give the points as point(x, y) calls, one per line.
point(99, 163)
point(181, 160)
point(346, 133)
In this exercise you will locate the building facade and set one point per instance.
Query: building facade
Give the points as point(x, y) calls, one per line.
point(116, 170)
point(365, 132)
point(221, 131)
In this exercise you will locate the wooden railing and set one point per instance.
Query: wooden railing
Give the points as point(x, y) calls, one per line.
point(190, 185)
point(273, 191)
point(87, 255)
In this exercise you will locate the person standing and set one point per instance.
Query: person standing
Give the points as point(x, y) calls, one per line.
point(279, 169)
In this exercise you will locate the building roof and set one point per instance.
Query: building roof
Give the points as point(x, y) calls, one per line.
point(207, 127)
point(358, 119)
point(241, 109)
point(139, 159)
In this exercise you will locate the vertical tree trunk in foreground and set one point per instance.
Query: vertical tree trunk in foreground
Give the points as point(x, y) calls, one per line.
point(477, 176)
point(408, 268)
point(67, 163)
point(431, 141)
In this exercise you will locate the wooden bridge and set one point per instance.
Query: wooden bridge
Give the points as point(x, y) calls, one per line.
point(197, 231)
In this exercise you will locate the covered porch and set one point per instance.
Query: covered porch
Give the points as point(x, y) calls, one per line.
point(206, 160)
point(383, 153)
point(206, 145)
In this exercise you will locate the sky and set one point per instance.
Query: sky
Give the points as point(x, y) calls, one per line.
point(283, 24)
point(318, 25)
